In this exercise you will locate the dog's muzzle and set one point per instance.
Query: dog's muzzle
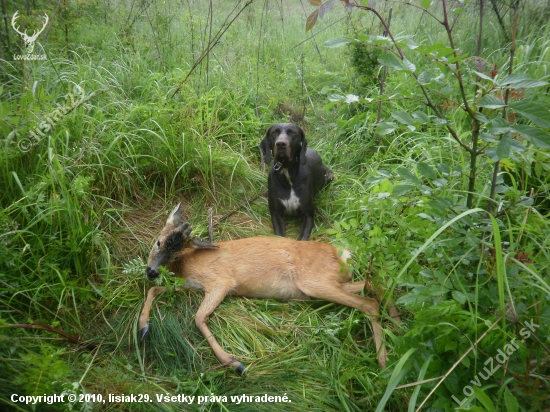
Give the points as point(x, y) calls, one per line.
point(282, 151)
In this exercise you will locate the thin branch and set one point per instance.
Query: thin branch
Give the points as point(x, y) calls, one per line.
point(428, 102)
point(42, 326)
point(381, 88)
point(492, 193)
point(457, 72)
point(225, 26)
point(49, 28)
point(409, 385)
point(418, 7)
point(319, 32)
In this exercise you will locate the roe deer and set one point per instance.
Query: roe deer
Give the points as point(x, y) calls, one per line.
point(257, 267)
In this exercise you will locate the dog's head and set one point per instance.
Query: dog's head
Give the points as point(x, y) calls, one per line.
point(286, 141)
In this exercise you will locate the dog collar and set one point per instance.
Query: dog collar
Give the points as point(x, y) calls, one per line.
point(277, 166)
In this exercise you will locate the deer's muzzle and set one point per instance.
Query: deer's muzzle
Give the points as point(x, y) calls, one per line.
point(151, 273)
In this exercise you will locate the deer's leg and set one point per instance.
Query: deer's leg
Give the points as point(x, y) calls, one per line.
point(336, 293)
point(357, 287)
point(394, 313)
point(212, 299)
point(143, 322)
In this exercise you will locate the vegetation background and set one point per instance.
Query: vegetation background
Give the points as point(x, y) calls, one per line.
point(437, 130)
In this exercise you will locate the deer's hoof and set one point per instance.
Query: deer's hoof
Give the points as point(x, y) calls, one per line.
point(241, 370)
point(144, 332)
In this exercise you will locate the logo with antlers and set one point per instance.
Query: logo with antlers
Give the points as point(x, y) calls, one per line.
point(29, 40)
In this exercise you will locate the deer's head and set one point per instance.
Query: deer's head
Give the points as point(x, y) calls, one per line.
point(174, 237)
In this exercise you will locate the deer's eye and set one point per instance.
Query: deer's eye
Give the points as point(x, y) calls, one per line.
point(158, 243)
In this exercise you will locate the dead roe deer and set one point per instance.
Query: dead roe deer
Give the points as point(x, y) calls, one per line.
point(257, 267)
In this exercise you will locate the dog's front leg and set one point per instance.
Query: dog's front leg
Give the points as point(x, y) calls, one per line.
point(279, 225)
point(307, 226)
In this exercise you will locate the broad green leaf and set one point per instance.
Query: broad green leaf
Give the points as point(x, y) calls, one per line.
point(426, 170)
point(407, 174)
point(459, 297)
point(447, 90)
point(503, 148)
point(439, 50)
point(510, 401)
point(535, 112)
point(336, 97)
point(451, 345)
point(518, 81)
point(411, 44)
point(538, 137)
point(491, 102)
point(337, 42)
point(424, 78)
point(518, 147)
point(425, 3)
point(391, 61)
point(408, 65)
point(484, 399)
point(486, 137)
point(482, 118)
point(384, 128)
point(483, 76)
point(538, 169)
point(403, 117)
point(491, 153)
point(458, 10)
point(498, 126)
point(311, 20)
point(444, 168)
point(380, 40)
point(421, 116)
point(351, 98)
point(400, 190)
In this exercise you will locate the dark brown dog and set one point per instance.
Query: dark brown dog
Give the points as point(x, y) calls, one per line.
point(297, 175)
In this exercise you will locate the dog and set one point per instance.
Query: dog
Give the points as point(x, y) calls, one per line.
point(297, 175)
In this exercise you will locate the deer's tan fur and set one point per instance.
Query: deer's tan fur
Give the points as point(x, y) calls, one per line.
point(259, 267)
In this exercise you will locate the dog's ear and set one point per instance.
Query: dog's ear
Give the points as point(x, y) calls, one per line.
point(265, 149)
point(304, 146)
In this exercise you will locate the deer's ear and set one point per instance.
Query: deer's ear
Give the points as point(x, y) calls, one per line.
point(265, 150)
point(303, 149)
point(198, 243)
point(185, 229)
point(175, 216)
